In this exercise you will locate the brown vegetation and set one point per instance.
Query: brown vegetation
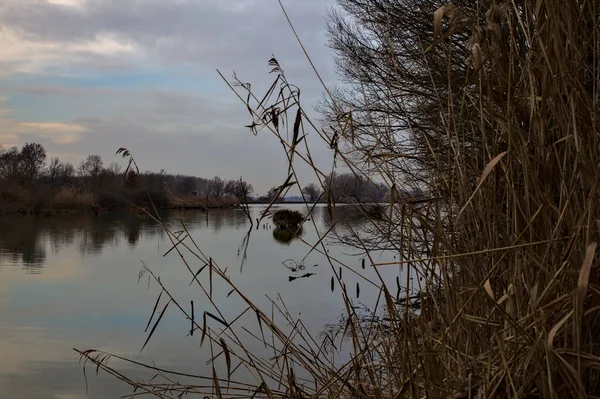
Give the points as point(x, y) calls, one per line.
point(28, 186)
point(69, 198)
point(490, 109)
point(287, 219)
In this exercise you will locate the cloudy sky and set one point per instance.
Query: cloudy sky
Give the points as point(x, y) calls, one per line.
point(89, 76)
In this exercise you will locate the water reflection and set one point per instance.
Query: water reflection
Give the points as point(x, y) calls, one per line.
point(71, 281)
point(285, 236)
point(219, 219)
point(25, 240)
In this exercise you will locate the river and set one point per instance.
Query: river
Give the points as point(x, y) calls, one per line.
point(71, 281)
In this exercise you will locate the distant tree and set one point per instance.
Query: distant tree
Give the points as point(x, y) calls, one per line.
point(33, 157)
point(273, 193)
point(10, 165)
point(132, 179)
point(67, 173)
point(216, 187)
point(239, 189)
point(114, 168)
point(242, 191)
point(348, 187)
point(60, 173)
point(91, 170)
point(157, 181)
point(311, 192)
point(186, 185)
point(54, 170)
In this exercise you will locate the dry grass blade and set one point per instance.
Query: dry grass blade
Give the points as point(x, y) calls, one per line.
point(438, 15)
point(153, 311)
point(488, 169)
point(584, 277)
point(227, 357)
point(216, 384)
point(205, 325)
point(155, 325)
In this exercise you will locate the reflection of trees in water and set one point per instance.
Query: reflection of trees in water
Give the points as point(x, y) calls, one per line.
point(219, 218)
point(25, 239)
point(18, 242)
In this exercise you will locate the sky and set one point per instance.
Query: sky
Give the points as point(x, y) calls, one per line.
point(87, 77)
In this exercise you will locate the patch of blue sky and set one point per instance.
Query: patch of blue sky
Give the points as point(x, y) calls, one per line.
point(175, 79)
point(94, 95)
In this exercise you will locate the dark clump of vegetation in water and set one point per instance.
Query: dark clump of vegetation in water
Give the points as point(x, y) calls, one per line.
point(288, 219)
point(489, 111)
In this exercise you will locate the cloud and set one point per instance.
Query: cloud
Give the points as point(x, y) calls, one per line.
point(24, 55)
point(60, 133)
point(68, 3)
point(205, 34)
point(142, 74)
point(15, 133)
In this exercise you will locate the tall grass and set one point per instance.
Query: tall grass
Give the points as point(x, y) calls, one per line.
point(505, 243)
point(73, 199)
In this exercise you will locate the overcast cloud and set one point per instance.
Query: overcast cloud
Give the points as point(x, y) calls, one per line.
point(89, 76)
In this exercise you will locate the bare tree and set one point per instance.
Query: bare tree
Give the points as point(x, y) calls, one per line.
point(216, 187)
point(54, 169)
point(311, 192)
point(67, 173)
point(23, 166)
point(10, 164)
point(60, 173)
point(241, 190)
point(33, 157)
point(91, 170)
point(114, 168)
point(392, 88)
point(273, 193)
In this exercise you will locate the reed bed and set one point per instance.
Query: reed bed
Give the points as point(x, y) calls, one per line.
point(73, 199)
point(502, 138)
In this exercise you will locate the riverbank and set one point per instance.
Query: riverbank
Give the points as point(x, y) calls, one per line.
point(19, 201)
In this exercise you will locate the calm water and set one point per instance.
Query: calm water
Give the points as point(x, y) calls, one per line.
point(72, 282)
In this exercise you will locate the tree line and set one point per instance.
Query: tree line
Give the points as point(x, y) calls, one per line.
point(28, 176)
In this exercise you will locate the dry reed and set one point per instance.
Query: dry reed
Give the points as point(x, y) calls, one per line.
point(72, 198)
point(505, 239)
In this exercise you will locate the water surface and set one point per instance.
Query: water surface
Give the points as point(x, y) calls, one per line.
point(72, 281)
